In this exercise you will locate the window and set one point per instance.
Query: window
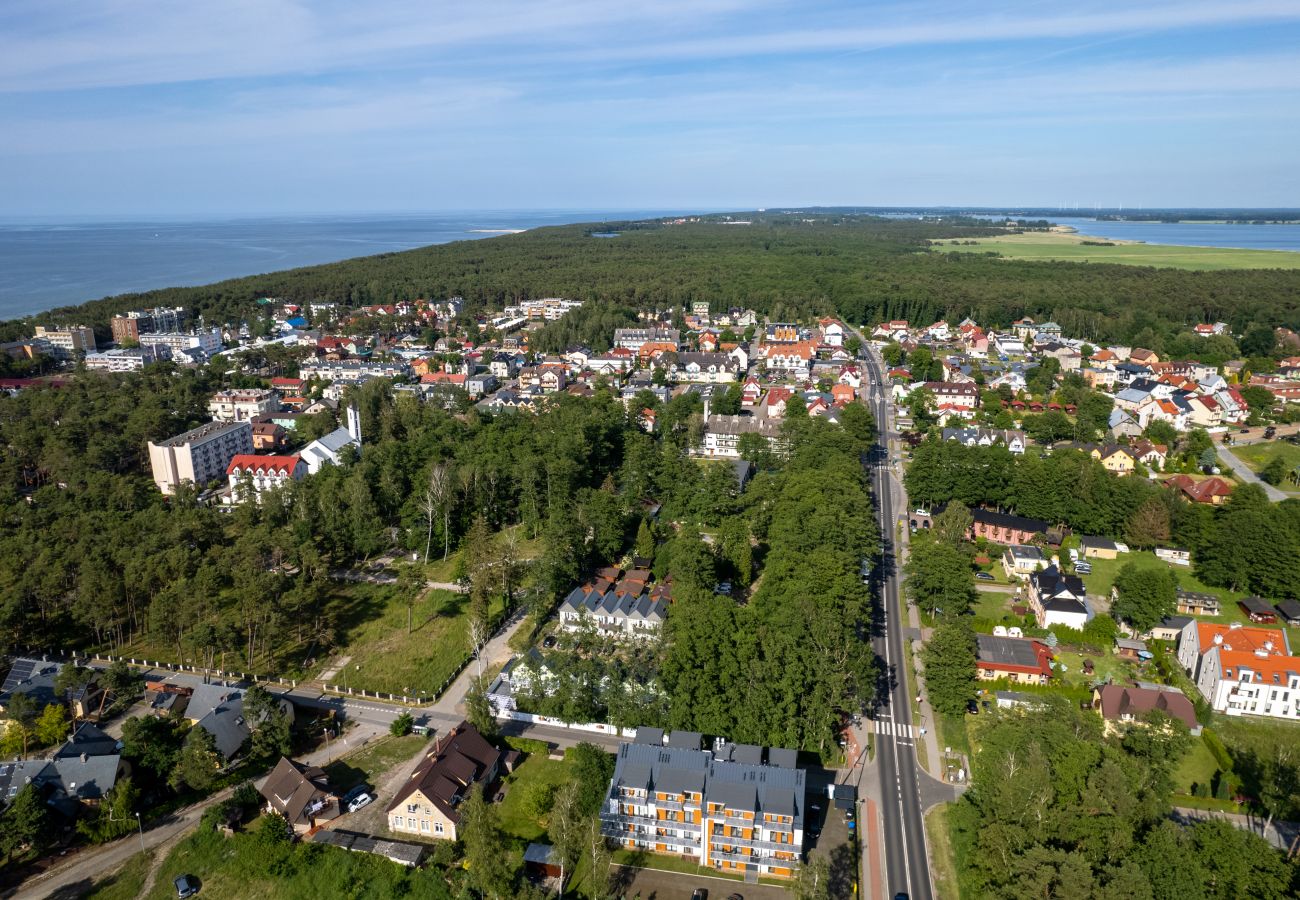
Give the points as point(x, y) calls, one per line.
point(412, 807)
point(437, 828)
point(424, 824)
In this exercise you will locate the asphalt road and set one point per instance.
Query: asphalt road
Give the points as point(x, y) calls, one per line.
point(907, 867)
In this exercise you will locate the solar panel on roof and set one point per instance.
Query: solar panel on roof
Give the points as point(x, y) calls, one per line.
point(21, 671)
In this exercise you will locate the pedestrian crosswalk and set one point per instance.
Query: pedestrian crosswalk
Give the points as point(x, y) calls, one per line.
point(884, 726)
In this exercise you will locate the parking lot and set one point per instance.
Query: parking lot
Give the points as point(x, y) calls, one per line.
point(653, 884)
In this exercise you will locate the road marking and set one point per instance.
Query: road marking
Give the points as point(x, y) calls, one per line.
point(895, 729)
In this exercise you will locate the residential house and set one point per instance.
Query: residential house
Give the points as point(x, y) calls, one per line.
point(750, 392)
point(1289, 610)
point(1128, 704)
point(1213, 490)
point(1168, 629)
point(1058, 599)
point(1123, 423)
point(1150, 454)
point(267, 436)
point(792, 358)
point(1022, 560)
point(33, 678)
point(301, 793)
point(430, 801)
point(625, 606)
point(724, 810)
point(1195, 603)
point(219, 710)
point(1008, 345)
point(76, 777)
point(243, 404)
point(354, 371)
point(1013, 439)
point(634, 338)
point(200, 455)
point(701, 368)
point(1024, 328)
point(1098, 548)
point(781, 333)
point(1258, 610)
point(1019, 660)
point(965, 396)
point(1004, 528)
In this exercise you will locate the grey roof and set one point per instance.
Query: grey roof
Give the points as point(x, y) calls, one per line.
point(645, 734)
point(206, 430)
point(1175, 622)
point(1005, 650)
point(539, 854)
point(1097, 543)
point(740, 795)
point(90, 740)
point(677, 781)
point(685, 740)
point(749, 754)
point(782, 757)
point(33, 677)
point(1290, 609)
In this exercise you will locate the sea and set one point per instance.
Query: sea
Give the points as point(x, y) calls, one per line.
point(50, 263)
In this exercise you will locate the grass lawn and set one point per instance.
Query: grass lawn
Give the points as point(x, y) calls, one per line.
point(1104, 572)
point(994, 606)
point(943, 867)
point(1197, 767)
point(241, 868)
point(369, 763)
point(125, 883)
point(537, 769)
point(1257, 456)
point(1070, 247)
point(386, 658)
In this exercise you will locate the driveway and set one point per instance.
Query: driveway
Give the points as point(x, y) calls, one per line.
point(1242, 471)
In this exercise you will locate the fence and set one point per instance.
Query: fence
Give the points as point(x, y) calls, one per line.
point(597, 727)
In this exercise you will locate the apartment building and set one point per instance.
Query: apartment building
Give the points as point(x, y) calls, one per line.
point(633, 338)
point(243, 405)
point(179, 341)
point(1242, 670)
point(129, 360)
point(198, 456)
point(130, 325)
point(264, 473)
point(725, 808)
point(354, 370)
point(64, 343)
point(722, 433)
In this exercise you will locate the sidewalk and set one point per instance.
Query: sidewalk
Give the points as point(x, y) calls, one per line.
point(1243, 471)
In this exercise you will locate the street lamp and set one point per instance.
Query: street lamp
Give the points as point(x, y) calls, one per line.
point(141, 827)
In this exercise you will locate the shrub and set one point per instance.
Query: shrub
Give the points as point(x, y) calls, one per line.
point(528, 745)
point(401, 725)
point(1216, 748)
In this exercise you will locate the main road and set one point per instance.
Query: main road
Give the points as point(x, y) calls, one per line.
point(907, 867)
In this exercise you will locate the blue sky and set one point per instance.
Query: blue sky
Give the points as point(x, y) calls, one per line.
point(115, 107)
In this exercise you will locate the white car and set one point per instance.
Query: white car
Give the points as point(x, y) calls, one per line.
point(360, 801)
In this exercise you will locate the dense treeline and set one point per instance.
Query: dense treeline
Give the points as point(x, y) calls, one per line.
point(1248, 544)
point(785, 668)
point(864, 269)
point(591, 325)
point(1057, 809)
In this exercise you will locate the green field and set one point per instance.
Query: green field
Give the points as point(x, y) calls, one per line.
point(1197, 767)
point(1257, 456)
point(1105, 570)
point(1070, 247)
point(386, 658)
point(367, 765)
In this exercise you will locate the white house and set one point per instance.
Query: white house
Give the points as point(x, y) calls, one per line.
point(327, 451)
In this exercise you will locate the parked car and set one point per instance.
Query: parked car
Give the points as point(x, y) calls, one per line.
point(985, 576)
point(972, 707)
point(700, 894)
point(186, 886)
point(549, 641)
point(364, 799)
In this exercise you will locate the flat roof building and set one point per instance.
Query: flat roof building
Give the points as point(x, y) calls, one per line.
point(200, 455)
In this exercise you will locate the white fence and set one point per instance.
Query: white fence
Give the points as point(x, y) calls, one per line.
point(514, 715)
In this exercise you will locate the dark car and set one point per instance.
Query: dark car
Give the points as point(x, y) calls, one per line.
point(700, 894)
point(735, 897)
point(549, 641)
point(186, 886)
point(972, 707)
point(985, 576)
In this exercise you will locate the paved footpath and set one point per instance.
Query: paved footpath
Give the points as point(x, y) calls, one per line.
point(1243, 471)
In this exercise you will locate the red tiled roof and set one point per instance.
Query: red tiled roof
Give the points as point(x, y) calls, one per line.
point(270, 463)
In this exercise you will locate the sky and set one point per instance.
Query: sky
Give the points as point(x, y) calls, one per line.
point(247, 107)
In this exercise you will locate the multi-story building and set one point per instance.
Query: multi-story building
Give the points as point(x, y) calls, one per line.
point(176, 341)
point(354, 370)
point(430, 802)
point(66, 342)
point(198, 456)
point(243, 404)
point(726, 809)
point(1011, 438)
point(263, 473)
point(618, 605)
point(633, 338)
point(129, 326)
point(130, 360)
point(1242, 670)
point(722, 433)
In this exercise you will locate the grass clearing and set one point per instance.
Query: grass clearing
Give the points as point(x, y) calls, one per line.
point(1103, 574)
point(126, 882)
point(1258, 456)
point(385, 657)
point(369, 763)
point(943, 868)
point(537, 772)
point(1197, 767)
point(1070, 247)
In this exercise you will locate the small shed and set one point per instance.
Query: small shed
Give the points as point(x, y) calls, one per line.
point(1259, 610)
point(843, 796)
point(540, 861)
point(1128, 648)
point(1289, 610)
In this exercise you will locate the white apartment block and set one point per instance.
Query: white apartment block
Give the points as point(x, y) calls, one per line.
point(1242, 670)
point(243, 404)
point(353, 370)
point(125, 360)
point(176, 341)
point(198, 456)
